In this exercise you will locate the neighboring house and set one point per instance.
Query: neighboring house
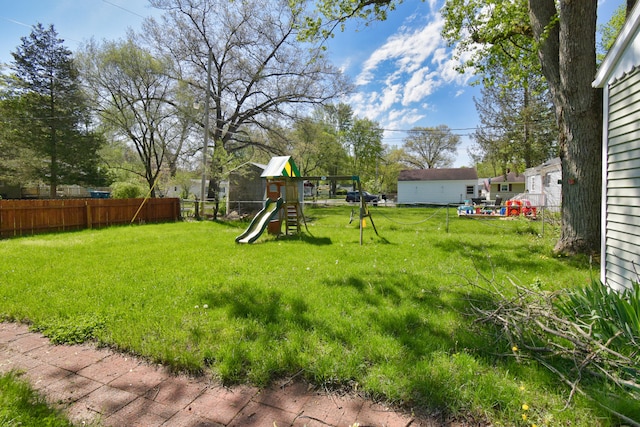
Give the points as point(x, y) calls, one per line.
point(437, 186)
point(619, 76)
point(506, 186)
point(544, 183)
point(195, 187)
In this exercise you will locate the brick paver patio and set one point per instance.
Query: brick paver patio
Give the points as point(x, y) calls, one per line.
point(102, 386)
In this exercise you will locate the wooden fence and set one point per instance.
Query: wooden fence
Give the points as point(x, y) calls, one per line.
point(25, 217)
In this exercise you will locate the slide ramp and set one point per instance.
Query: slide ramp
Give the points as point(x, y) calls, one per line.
point(260, 221)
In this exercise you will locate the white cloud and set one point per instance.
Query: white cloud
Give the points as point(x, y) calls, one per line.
point(406, 50)
point(375, 104)
point(402, 83)
point(433, 4)
point(345, 65)
point(420, 85)
point(398, 78)
point(390, 95)
point(405, 117)
point(440, 55)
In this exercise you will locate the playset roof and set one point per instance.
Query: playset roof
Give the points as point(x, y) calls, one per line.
point(281, 166)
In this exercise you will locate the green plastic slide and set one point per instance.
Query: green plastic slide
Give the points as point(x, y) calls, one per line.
point(260, 221)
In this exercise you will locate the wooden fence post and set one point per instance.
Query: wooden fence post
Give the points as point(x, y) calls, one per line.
point(89, 224)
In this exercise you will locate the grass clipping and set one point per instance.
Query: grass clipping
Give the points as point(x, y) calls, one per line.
point(592, 333)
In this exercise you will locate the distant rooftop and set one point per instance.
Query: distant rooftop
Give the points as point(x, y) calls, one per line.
point(511, 177)
point(435, 174)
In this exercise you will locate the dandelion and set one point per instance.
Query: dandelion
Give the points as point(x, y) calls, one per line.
point(524, 417)
point(514, 348)
point(205, 306)
point(525, 407)
point(521, 388)
point(197, 306)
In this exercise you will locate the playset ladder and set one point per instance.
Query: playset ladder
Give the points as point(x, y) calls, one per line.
point(292, 222)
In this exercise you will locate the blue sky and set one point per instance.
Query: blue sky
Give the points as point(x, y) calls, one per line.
point(404, 72)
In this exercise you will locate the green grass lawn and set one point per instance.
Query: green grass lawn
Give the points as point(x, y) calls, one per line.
point(21, 406)
point(388, 318)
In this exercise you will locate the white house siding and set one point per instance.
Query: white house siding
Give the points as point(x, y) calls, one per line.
point(544, 180)
point(621, 232)
point(435, 192)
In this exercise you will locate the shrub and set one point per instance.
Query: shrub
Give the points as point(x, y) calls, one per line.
point(126, 190)
point(609, 316)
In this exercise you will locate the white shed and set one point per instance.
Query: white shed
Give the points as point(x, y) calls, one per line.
point(619, 76)
point(437, 186)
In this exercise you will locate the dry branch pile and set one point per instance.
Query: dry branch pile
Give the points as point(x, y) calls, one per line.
point(588, 333)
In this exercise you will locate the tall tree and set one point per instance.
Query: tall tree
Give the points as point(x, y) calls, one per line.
point(51, 112)
point(17, 161)
point(431, 147)
point(392, 162)
point(138, 102)
point(364, 140)
point(561, 35)
point(316, 147)
point(565, 36)
point(518, 127)
point(260, 74)
point(8, 151)
point(339, 118)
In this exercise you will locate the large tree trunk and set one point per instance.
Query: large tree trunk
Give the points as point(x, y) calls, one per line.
point(567, 55)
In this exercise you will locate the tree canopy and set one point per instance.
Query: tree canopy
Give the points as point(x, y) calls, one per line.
point(431, 147)
point(261, 76)
point(518, 128)
point(138, 103)
point(48, 117)
point(610, 30)
point(260, 73)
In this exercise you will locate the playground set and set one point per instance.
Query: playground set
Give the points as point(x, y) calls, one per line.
point(284, 201)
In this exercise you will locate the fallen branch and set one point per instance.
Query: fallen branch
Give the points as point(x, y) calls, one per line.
point(532, 321)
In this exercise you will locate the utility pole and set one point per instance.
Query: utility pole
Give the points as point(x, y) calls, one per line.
point(205, 145)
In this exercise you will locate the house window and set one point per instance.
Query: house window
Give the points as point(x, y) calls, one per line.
point(547, 180)
point(470, 189)
point(504, 187)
